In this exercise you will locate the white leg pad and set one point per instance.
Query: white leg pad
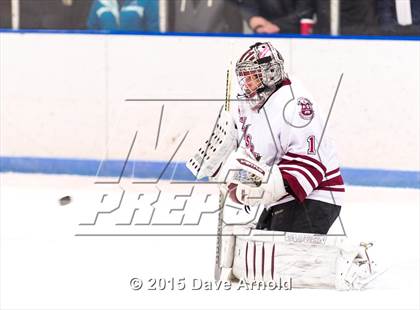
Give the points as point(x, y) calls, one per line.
point(307, 264)
point(226, 274)
point(310, 261)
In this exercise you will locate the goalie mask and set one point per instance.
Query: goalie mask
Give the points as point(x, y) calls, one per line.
point(260, 72)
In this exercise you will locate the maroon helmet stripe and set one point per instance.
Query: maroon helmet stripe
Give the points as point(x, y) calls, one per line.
point(246, 259)
point(272, 261)
point(246, 54)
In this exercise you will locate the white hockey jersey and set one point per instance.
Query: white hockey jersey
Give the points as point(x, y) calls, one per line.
point(288, 131)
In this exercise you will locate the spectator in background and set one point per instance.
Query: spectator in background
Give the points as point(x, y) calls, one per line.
point(5, 14)
point(205, 16)
point(273, 16)
point(129, 15)
point(357, 17)
point(398, 17)
point(104, 15)
point(53, 14)
point(140, 15)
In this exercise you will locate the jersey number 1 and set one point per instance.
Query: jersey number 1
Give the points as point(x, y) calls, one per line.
point(311, 145)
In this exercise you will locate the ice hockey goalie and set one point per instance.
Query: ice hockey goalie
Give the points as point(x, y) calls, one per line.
point(271, 150)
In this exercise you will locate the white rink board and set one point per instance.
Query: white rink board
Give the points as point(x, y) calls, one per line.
point(63, 95)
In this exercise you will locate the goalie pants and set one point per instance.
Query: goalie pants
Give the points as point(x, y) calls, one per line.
point(311, 216)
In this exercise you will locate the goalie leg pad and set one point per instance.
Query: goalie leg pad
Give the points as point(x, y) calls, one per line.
point(355, 268)
point(311, 261)
point(227, 247)
point(304, 259)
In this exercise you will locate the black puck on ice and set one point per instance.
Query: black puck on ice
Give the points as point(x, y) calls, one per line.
point(64, 200)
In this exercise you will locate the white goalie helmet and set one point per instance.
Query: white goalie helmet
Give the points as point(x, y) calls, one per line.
point(260, 72)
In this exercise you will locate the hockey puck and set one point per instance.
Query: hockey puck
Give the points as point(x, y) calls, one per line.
point(64, 200)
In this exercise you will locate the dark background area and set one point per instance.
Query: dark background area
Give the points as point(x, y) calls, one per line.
point(357, 17)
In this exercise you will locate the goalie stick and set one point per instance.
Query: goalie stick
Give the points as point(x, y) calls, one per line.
point(222, 196)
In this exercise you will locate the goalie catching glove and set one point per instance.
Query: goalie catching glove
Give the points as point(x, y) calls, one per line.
point(250, 182)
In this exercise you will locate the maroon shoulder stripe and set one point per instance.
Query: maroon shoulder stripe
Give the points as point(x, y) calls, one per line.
point(338, 180)
point(321, 165)
point(332, 172)
point(303, 173)
point(315, 172)
point(332, 189)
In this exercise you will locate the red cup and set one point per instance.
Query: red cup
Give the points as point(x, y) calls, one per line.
point(306, 26)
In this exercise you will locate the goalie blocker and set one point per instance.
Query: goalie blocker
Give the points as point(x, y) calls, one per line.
point(207, 161)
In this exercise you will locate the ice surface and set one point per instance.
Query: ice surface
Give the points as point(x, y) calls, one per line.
point(49, 261)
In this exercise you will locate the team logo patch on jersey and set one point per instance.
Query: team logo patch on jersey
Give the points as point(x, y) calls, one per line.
point(306, 110)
